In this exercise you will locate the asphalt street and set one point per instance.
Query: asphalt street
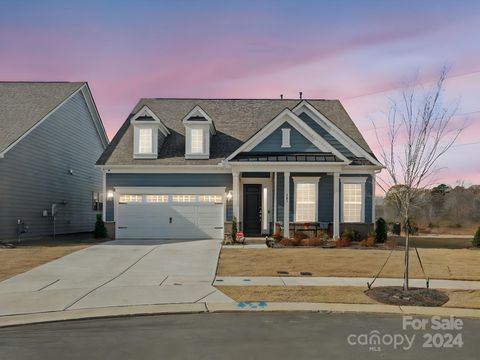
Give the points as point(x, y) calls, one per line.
point(243, 336)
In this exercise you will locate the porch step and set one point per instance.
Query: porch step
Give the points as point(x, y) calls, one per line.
point(254, 240)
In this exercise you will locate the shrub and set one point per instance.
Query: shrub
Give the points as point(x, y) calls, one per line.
point(396, 228)
point(100, 231)
point(299, 235)
point(350, 235)
point(340, 243)
point(287, 242)
point(369, 241)
point(381, 230)
point(234, 230)
point(315, 241)
point(476, 238)
point(277, 236)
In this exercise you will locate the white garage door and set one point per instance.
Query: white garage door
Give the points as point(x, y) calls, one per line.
point(170, 216)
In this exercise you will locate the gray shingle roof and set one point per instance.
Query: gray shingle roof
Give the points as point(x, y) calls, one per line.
point(236, 120)
point(23, 104)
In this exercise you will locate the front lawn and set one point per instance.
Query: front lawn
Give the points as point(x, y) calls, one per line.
point(461, 264)
point(333, 294)
point(32, 253)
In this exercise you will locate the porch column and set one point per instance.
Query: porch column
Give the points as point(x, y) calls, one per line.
point(236, 195)
point(336, 205)
point(275, 181)
point(286, 205)
point(104, 195)
point(374, 185)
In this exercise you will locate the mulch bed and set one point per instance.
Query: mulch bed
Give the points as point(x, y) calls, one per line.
point(395, 295)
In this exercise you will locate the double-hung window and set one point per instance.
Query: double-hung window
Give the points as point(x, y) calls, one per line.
point(306, 199)
point(145, 141)
point(353, 200)
point(196, 138)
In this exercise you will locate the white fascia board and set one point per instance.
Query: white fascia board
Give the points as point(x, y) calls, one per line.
point(335, 131)
point(145, 110)
point(165, 169)
point(92, 108)
point(2, 154)
point(288, 116)
point(197, 110)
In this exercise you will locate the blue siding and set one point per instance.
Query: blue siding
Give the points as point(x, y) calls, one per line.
point(35, 174)
point(168, 180)
point(273, 142)
point(325, 134)
point(325, 199)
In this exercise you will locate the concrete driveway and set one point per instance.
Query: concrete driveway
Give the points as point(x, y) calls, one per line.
point(118, 273)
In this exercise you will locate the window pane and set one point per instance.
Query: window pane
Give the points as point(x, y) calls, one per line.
point(305, 197)
point(197, 141)
point(352, 202)
point(157, 198)
point(210, 198)
point(184, 198)
point(145, 141)
point(130, 198)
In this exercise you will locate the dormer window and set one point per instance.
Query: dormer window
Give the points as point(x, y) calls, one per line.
point(199, 129)
point(148, 134)
point(196, 136)
point(145, 140)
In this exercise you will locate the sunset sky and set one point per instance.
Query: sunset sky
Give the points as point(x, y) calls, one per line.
point(357, 51)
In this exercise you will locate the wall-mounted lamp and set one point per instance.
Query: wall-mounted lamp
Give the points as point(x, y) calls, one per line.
point(110, 194)
point(230, 195)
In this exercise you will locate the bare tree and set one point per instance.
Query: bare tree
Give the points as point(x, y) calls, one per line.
point(420, 131)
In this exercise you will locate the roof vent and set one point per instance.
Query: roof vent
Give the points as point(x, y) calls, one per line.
point(301, 93)
point(281, 96)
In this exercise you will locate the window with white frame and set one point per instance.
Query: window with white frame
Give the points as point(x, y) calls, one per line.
point(184, 198)
point(145, 141)
point(157, 198)
point(130, 198)
point(196, 141)
point(352, 202)
point(306, 199)
point(210, 198)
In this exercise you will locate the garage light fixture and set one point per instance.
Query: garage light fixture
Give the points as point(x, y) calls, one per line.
point(110, 194)
point(230, 195)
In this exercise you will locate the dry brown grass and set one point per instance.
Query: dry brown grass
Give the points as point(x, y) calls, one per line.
point(21, 259)
point(461, 264)
point(333, 294)
point(328, 294)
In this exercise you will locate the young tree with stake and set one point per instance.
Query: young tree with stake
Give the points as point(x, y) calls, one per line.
point(420, 131)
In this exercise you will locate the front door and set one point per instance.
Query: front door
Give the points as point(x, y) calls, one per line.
point(252, 208)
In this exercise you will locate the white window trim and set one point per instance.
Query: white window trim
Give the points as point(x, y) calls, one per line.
point(206, 142)
point(286, 137)
point(142, 148)
point(305, 180)
point(353, 180)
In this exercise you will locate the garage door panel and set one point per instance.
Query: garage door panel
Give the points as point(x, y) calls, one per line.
point(167, 221)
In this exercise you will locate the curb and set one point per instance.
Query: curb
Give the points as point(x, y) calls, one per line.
point(198, 308)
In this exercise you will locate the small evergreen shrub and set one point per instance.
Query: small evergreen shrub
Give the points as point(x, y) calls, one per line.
point(476, 238)
point(396, 228)
point(100, 231)
point(381, 230)
point(234, 230)
point(350, 235)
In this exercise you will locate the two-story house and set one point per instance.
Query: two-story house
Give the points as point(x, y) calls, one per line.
point(184, 168)
point(50, 137)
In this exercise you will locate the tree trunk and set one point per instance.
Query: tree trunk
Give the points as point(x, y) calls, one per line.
point(407, 248)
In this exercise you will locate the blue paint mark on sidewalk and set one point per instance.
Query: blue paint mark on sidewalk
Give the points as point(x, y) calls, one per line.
point(252, 305)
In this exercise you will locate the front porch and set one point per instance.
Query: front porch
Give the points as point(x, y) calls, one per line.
point(264, 202)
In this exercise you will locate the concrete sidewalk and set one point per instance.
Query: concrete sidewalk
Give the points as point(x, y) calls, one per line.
point(340, 281)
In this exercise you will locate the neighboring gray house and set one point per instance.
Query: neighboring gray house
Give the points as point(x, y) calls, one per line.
point(50, 137)
point(183, 168)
